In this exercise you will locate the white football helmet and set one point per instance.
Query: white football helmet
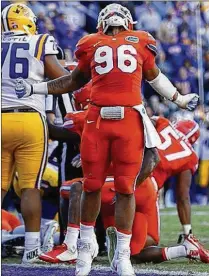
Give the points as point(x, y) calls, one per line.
point(115, 15)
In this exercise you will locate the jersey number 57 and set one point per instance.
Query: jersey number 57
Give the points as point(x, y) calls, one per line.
point(167, 134)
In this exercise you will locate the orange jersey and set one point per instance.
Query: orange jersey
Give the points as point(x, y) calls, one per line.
point(143, 193)
point(9, 221)
point(74, 121)
point(176, 154)
point(81, 97)
point(116, 65)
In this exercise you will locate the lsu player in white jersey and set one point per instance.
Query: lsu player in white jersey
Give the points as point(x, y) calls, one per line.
point(30, 56)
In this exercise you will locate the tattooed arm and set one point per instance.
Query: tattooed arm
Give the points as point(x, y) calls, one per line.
point(65, 84)
point(68, 83)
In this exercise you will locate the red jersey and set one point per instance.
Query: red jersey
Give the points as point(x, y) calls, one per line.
point(176, 154)
point(82, 97)
point(116, 65)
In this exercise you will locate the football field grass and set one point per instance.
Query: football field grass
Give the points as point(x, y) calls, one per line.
point(170, 229)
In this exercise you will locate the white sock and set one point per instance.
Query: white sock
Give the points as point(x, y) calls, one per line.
point(187, 228)
point(32, 240)
point(175, 252)
point(71, 237)
point(87, 232)
point(123, 241)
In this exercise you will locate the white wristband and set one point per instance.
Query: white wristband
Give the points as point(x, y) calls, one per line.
point(163, 86)
point(40, 88)
point(179, 100)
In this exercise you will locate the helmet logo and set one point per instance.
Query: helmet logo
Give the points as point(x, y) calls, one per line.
point(17, 11)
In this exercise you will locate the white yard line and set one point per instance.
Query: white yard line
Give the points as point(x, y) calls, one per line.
point(170, 273)
point(102, 268)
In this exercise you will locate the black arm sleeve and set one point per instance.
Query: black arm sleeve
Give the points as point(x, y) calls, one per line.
point(61, 134)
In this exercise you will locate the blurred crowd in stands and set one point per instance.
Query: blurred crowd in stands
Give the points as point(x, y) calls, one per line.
point(174, 24)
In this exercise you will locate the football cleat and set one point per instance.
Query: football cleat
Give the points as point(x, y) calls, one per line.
point(182, 237)
point(47, 233)
point(31, 256)
point(60, 254)
point(11, 243)
point(195, 250)
point(87, 251)
point(121, 263)
point(111, 242)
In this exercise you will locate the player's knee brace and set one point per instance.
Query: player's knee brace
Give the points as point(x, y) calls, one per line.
point(124, 184)
point(92, 184)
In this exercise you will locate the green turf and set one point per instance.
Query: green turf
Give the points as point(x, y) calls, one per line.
point(170, 225)
point(170, 229)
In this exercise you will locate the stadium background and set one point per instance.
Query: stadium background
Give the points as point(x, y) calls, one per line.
point(182, 33)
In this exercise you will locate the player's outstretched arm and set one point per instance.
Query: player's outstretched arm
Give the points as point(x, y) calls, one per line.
point(65, 84)
point(162, 85)
point(183, 200)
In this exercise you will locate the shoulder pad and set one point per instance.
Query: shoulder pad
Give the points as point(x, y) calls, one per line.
point(84, 44)
point(51, 45)
point(148, 40)
point(144, 36)
point(87, 40)
point(45, 45)
point(151, 44)
point(152, 48)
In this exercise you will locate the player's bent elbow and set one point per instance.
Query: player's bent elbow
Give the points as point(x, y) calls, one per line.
point(151, 74)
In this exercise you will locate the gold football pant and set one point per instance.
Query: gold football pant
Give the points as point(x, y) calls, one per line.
point(50, 175)
point(24, 148)
point(204, 173)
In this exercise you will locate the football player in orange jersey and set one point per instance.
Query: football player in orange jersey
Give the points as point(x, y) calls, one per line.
point(145, 230)
point(177, 158)
point(71, 191)
point(115, 58)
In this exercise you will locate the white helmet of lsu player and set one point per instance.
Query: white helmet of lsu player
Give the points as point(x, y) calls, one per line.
point(18, 17)
point(115, 15)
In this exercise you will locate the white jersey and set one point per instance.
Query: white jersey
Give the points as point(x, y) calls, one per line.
point(23, 57)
